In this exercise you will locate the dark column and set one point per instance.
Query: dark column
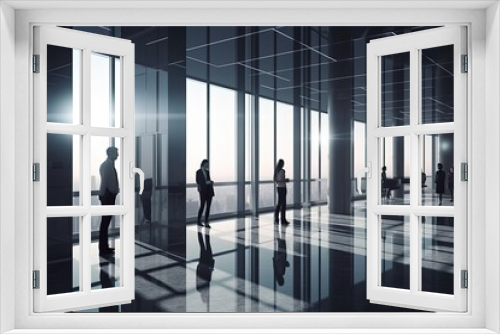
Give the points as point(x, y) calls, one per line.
point(341, 123)
point(255, 82)
point(297, 126)
point(176, 142)
point(240, 260)
point(240, 133)
point(305, 93)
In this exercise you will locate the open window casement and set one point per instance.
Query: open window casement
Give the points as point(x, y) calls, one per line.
point(84, 103)
point(417, 216)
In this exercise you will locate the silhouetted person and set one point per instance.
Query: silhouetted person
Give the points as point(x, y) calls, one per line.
point(279, 260)
point(385, 184)
point(107, 195)
point(205, 266)
point(451, 182)
point(440, 178)
point(280, 180)
point(206, 190)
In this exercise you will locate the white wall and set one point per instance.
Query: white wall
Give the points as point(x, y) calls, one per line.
point(484, 105)
point(491, 167)
point(7, 169)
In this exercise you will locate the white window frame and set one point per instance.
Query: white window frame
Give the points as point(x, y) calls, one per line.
point(86, 43)
point(484, 49)
point(413, 44)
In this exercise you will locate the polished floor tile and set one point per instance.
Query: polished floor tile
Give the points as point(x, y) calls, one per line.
point(316, 264)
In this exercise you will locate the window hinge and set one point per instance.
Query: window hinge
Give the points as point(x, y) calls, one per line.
point(465, 279)
point(464, 171)
point(465, 63)
point(36, 279)
point(36, 63)
point(36, 172)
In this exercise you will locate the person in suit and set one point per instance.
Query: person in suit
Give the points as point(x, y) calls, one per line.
point(280, 180)
point(107, 195)
point(385, 189)
point(440, 178)
point(206, 190)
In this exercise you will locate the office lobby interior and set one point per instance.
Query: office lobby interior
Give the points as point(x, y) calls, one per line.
point(243, 98)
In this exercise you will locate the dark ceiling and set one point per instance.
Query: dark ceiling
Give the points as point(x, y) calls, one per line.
point(288, 64)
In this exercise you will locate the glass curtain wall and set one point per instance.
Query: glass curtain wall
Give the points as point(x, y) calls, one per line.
point(254, 95)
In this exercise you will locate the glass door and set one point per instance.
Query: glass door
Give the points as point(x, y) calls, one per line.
point(416, 144)
point(84, 150)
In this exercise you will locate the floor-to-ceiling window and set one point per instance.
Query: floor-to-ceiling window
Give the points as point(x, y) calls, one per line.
point(266, 153)
point(223, 148)
point(196, 139)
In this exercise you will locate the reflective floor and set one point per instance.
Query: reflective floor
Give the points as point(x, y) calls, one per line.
point(316, 264)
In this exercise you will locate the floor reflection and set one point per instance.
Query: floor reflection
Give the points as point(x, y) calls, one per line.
point(317, 264)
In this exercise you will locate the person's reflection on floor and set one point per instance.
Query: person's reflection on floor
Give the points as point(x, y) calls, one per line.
point(279, 259)
point(106, 266)
point(205, 266)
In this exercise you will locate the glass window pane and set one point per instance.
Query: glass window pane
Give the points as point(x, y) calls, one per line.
point(145, 154)
point(359, 146)
point(105, 94)
point(266, 195)
point(315, 190)
point(248, 198)
point(437, 85)
point(266, 140)
point(438, 177)
point(395, 99)
point(196, 127)
point(63, 255)
point(359, 152)
point(63, 85)
point(248, 136)
point(395, 170)
point(63, 170)
point(192, 202)
point(284, 136)
point(222, 134)
point(325, 156)
point(437, 254)
point(224, 200)
point(395, 248)
point(105, 170)
point(325, 142)
point(315, 138)
point(105, 257)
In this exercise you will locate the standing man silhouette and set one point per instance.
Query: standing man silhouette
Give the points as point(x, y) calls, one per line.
point(206, 190)
point(440, 178)
point(280, 180)
point(107, 195)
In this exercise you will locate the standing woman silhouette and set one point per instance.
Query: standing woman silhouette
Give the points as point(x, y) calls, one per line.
point(280, 180)
point(206, 190)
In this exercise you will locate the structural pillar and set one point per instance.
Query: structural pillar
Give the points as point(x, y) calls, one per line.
point(341, 124)
point(176, 140)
